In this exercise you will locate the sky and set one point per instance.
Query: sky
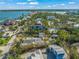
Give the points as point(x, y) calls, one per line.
point(39, 4)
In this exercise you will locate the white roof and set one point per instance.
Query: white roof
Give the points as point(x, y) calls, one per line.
point(76, 25)
point(30, 40)
point(53, 29)
point(38, 19)
point(54, 35)
point(36, 55)
point(28, 16)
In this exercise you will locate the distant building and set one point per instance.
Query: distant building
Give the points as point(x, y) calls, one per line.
point(38, 22)
point(54, 30)
point(54, 36)
point(62, 12)
point(36, 55)
point(38, 28)
point(38, 19)
point(9, 22)
point(41, 35)
point(50, 17)
point(50, 23)
point(28, 17)
point(2, 30)
point(56, 52)
point(34, 13)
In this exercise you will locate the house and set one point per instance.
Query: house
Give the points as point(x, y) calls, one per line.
point(56, 52)
point(38, 22)
point(9, 22)
point(62, 12)
point(54, 35)
point(32, 40)
point(70, 22)
point(50, 23)
point(36, 55)
point(28, 17)
point(41, 35)
point(5, 35)
point(76, 25)
point(50, 17)
point(54, 30)
point(2, 30)
point(38, 19)
point(38, 28)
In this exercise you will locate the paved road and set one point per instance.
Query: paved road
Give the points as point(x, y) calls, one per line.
point(10, 43)
point(7, 47)
point(41, 55)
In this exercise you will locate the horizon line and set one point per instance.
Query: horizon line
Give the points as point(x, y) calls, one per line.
point(33, 9)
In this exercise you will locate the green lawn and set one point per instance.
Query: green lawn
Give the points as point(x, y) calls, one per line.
point(4, 41)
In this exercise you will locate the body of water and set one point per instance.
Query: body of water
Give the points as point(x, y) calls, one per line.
point(12, 14)
point(4, 15)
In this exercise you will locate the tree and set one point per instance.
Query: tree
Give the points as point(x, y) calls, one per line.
point(74, 54)
point(63, 35)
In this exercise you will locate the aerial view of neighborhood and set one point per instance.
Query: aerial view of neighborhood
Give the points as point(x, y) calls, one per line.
point(29, 32)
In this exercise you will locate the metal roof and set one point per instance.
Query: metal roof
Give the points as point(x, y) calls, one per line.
point(57, 49)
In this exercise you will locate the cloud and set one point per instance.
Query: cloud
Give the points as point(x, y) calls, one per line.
point(49, 6)
point(2, 2)
point(21, 3)
point(33, 3)
point(71, 2)
point(62, 4)
point(54, 5)
point(32, 6)
point(29, 0)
